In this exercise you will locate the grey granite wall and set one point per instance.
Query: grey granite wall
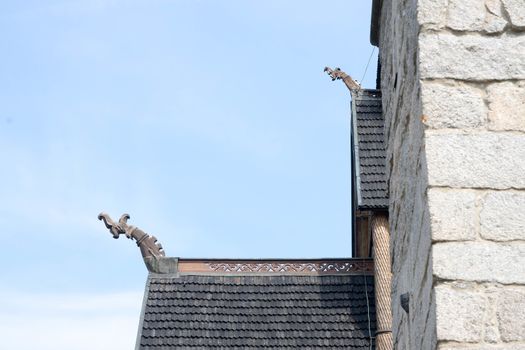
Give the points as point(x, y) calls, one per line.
point(453, 84)
point(406, 164)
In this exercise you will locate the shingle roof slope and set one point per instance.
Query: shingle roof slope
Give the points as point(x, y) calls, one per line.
point(258, 312)
point(369, 150)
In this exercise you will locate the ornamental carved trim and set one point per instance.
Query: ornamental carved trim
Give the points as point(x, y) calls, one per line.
point(323, 267)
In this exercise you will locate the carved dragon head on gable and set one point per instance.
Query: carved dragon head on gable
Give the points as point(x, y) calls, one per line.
point(337, 74)
point(148, 244)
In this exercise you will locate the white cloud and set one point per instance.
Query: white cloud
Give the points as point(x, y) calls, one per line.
point(65, 322)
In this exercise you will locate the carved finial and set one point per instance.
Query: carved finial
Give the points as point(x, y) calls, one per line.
point(148, 244)
point(337, 74)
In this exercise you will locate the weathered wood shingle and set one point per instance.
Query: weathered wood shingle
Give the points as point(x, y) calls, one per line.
point(258, 312)
point(368, 150)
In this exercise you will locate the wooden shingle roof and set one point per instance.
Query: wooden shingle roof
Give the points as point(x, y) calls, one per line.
point(368, 150)
point(260, 305)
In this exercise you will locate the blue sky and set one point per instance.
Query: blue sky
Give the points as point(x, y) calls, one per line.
point(210, 122)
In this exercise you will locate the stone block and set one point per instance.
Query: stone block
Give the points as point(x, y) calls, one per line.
point(507, 346)
point(446, 106)
point(452, 214)
point(431, 13)
point(480, 261)
point(506, 105)
point(490, 327)
point(459, 313)
point(466, 15)
point(502, 216)
point(511, 314)
point(494, 20)
point(471, 57)
point(477, 160)
point(475, 15)
point(516, 12)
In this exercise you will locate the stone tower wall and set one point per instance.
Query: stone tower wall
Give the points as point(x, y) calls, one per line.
point(453, 84)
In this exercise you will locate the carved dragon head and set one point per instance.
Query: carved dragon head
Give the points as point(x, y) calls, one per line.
point(115, 229)
point(148, 244)
point(336, 73)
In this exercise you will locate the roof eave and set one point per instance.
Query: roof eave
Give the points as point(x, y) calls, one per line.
point(142, 314)
point(355, 153)
point(373, 208)
point(374, 23)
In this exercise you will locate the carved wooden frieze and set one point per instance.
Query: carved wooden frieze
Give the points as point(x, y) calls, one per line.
point(326, 267)
point(307, 267)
